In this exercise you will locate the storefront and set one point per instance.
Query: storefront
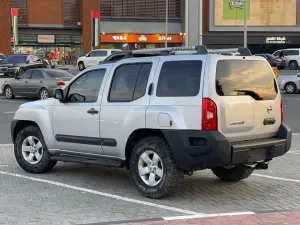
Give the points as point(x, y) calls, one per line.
point(258, 42)
point(139, 41)
point(67, 48)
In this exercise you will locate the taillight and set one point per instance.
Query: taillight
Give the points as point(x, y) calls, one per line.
point(281, 111)
point(60, 83)
point(209, 115)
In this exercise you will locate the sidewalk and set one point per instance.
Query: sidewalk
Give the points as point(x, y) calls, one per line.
point(275, 218)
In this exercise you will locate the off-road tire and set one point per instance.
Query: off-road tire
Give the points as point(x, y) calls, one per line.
point(234, 174)
point(45, 164)
point(172, 175)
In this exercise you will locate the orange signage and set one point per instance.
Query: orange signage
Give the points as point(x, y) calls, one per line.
point(46, 38)
point(140, 38)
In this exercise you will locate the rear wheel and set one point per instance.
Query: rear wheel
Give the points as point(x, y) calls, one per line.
point(233, 174)
point(290, 88)
point(9, 92)
point(153, 168)
point(293, 65)
point(44, 94)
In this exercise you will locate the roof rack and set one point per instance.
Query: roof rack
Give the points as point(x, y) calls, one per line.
point(199, 50)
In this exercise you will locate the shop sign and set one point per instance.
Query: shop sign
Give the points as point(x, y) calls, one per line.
point(163, 38)
point(121, 38)
point(236, 4)
point(46, 38)
point(276, 40)
point(140, 38)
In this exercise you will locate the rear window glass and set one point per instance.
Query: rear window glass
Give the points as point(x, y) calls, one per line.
point(245, 77)
point(58, 74)
point(179, 79)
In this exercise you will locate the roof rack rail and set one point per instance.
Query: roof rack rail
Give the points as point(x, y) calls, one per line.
point(200, 49)
point(242, 50)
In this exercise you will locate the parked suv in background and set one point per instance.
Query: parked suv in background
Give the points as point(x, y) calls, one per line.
point(291, 56)
point(161, 117)
point(94, 57)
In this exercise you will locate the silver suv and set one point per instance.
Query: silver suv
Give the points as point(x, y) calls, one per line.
point(160, 117)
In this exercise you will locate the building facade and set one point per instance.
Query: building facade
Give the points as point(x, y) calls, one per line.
point(64, 26)
point(271, 24)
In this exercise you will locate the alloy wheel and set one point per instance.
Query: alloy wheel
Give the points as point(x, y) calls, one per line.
point(150, 168)
point(8, 92)
point(32, 150)
point(44, 94)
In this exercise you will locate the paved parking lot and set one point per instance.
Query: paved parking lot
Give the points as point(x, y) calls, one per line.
point(80, 194)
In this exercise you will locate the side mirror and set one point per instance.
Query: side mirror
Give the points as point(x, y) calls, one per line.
point(87, 55)
point(58, 94)
point(27, 61)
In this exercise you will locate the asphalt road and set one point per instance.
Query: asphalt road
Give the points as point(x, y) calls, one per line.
point(80, 194)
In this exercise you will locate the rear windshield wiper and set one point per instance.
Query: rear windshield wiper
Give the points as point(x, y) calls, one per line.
point(253, 94)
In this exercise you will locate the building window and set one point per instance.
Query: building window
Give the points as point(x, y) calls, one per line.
point(152, 9)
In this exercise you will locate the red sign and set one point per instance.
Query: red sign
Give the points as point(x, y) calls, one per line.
point(140, 38)
point(14, 11)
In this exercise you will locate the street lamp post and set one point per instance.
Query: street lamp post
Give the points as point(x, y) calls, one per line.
point(167, 12)
point(245, 23)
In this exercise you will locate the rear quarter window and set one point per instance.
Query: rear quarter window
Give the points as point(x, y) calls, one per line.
point(245, 77)
point(179, 79)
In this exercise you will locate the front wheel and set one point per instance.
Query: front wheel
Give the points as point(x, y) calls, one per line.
point(31, 151)
point(233, 174)
point(81, 66)
point(153, 168)
point(290, 88)
point(8, 91)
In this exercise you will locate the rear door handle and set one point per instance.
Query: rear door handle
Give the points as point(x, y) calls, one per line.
point(92, 111)
point(26, 81)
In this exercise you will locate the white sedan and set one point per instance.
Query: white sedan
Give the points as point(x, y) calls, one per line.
point(290, 84)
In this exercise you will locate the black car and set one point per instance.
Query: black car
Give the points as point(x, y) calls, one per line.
point(273, 61)
point(15, 65)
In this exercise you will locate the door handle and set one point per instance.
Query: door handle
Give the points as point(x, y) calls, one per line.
point(26, 81)
point(92, 111)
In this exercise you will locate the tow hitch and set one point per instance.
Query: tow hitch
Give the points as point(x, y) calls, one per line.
point(261, 166)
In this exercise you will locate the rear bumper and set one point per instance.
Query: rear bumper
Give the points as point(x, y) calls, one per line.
point(195, 150)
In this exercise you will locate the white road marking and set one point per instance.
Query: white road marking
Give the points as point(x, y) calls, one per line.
point(298, 99)
point(118, 197)
point(9, 112)
point(294, 151)
point(6, 145)
point(208, 215)
point(276, 178)
point(11, 101)
point(295, 134)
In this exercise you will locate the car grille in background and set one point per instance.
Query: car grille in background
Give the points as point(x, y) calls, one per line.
point(3, 69)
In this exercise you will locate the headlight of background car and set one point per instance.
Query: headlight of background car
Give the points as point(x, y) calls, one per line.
point(15, 69)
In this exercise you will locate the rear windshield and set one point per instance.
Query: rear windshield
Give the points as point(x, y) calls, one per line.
point(59, 74)
point(245, 77)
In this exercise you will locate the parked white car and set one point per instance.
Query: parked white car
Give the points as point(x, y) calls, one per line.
point(292, 57)
point(94, 57)
point(290, 84)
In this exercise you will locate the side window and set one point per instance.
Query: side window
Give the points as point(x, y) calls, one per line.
point(86, 88)
point(37, 75)
point(92, 54)
point(26, 74)
point(179, 79)
point(101, 53)
point(276, 54)
point(116, 58)
point(291, 52)
point(130, 82)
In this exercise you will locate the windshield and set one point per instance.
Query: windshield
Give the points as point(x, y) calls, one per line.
point(59, 74)
point(15, 59)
